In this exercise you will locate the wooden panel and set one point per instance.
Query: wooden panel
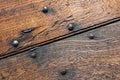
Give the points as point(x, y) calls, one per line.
point(24, 21)
point(81, 57)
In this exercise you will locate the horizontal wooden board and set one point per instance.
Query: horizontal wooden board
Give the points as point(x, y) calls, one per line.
point(81, 57)
point(18, 16)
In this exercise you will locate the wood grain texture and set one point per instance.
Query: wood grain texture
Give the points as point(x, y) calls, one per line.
point(19, 15)
point(74, 58)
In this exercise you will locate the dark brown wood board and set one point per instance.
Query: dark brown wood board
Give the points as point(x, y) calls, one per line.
point(93, 55)
point(18, 16)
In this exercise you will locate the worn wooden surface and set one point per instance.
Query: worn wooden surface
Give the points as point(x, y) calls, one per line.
point(74, 58)
point(19, 15)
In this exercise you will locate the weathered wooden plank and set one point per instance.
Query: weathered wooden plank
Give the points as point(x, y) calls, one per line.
point(17, 16)
point(81, 57)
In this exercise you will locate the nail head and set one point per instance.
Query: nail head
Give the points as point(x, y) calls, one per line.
point(15, 43)
point(45, 9)
point(33, 55)
point(71, 26)
point(91, 36)
point(63, 72)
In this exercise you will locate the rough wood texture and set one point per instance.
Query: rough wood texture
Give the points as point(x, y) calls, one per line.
point(19, 15)
point(74, 58)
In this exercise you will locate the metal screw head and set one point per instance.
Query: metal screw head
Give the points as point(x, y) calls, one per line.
point(45, 9)
point(71, 26)
point(15, 43)
point(91, 36)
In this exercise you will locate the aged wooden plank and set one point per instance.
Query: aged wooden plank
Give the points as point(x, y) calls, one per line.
point(93, 55)
point(23, 20)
